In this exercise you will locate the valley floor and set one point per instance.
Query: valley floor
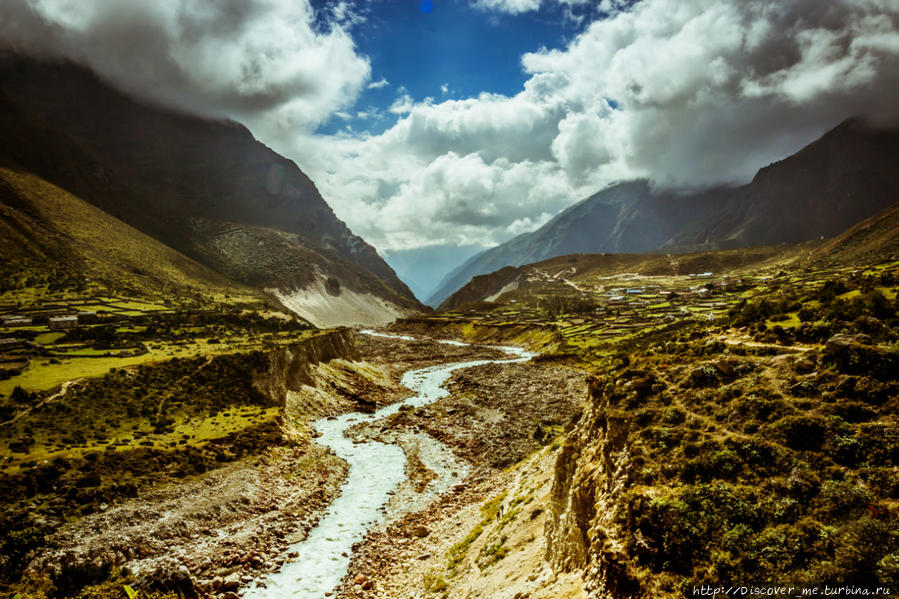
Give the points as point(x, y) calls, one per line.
point(647, 449)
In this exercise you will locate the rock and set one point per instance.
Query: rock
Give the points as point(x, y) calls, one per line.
point(841, 342)
point(359, 579)
point(725, 368)
point(804, 366)
point(421, 532)
point(424, 556)
point(231, 582)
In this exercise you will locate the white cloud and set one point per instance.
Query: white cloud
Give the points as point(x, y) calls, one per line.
point(709, 91)
point(513, 7)
point(402, 105)
point(240, 58)
point(704, 92)
point(516, 7)
point(380, 83)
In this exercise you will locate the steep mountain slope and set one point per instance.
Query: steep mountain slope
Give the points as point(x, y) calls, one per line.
point(50, 238)
point(873, 239)
point(842, 178)
point(847, 175)
point(205, 188)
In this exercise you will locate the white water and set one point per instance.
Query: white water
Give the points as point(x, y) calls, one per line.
point(375, 469)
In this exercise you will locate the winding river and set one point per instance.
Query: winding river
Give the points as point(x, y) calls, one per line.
point(375, 471)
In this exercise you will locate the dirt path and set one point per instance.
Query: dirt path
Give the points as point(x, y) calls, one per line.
point(58, 395)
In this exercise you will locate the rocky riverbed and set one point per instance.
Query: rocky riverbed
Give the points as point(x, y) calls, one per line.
point(213, 534)
point(377, 470)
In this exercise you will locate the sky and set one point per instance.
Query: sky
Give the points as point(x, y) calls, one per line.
point(435, 128)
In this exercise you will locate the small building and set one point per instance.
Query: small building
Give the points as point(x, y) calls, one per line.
point(10, 343)
point(63, 322)
point(16, 320)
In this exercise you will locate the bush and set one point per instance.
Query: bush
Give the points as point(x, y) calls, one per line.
point(841, 500)
point(877, 304)
point(830, 289)
point(862, 549)
point(19, 395)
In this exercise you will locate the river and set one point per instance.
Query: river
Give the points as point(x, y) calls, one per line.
point(375, 471)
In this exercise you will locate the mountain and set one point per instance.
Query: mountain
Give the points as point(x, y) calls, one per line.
point(205, 188)
point(845, 176)
point(563, 276)
point(872, 241)
point(50, 238)
point(836, 181)
point(629, 217)
point(422, 269)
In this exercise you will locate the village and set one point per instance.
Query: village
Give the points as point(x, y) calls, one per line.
point(593, 311)
point(45, 344)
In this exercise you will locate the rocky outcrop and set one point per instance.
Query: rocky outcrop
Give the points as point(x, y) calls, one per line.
point(485, 287)
point(590, 480)
point(291, 367)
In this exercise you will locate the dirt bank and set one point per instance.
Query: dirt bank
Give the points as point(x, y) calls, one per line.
point(502, 420)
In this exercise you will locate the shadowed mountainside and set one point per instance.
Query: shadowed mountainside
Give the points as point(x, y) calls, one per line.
point(206, 188)
point(845, 176)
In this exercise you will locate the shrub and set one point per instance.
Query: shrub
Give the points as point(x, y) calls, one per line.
point(20, 395)
point(844, 499)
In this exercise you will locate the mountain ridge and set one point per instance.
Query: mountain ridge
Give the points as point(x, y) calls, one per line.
point(846, 175)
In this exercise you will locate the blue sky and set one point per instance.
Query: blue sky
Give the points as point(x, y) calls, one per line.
point(422, 46)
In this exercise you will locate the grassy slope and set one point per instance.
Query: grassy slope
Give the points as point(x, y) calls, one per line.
point(875, 237)
point(50, 232)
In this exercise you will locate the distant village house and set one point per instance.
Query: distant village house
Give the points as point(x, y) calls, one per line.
point(63, 322)
point(15, 321)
